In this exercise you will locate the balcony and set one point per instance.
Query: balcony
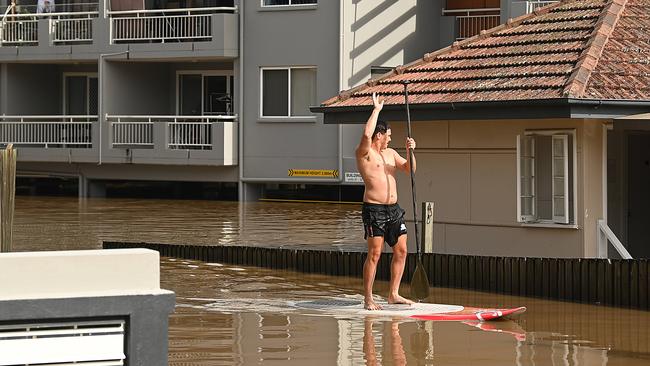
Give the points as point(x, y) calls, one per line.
point(21, 25)
point(470, 22)
point(519, 8)
point(172, 25)
point(533, 5)
point(47, 132)
point(207, 140)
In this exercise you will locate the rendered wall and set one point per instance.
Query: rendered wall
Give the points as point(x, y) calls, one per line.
point(468, 168)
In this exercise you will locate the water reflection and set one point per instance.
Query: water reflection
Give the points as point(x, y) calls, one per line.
point(228, 315)
point(242, 315)
point(61, 223)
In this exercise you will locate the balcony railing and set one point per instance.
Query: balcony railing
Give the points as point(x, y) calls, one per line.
point(531, 6)
point(72, 28)
point(47, 131)
point(182, 132)
point(470, 22)
point(19, 30)
point(69, 27)
point(178, 25)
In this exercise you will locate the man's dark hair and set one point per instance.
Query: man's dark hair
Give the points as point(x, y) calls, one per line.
point(381, 127)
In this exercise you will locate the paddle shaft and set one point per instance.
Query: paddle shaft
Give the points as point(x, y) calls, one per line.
point(411, 156)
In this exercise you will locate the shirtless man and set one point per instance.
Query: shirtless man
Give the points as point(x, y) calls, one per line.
point(383, 219)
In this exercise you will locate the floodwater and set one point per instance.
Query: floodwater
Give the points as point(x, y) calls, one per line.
point(230, 315)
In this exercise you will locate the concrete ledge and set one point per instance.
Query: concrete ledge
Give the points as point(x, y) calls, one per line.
point(83, 273)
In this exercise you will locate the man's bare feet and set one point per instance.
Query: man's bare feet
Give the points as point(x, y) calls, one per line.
point(371, 305)
point(397, 299)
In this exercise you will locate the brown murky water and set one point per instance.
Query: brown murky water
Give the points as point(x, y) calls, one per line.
point(228, 315)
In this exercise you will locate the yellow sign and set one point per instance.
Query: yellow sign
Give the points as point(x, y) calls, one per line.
point(334, 173)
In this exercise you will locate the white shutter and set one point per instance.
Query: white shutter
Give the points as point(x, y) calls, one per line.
point(561, 179)
point(526, 210)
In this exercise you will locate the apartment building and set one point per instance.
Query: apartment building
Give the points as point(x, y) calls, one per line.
point(209, 91)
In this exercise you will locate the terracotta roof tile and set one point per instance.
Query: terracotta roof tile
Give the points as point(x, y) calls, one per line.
point(576, 48)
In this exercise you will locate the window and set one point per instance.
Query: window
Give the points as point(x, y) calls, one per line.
point(288, 92)
point(80, 94)
point(546, 177)
point(288, 2)
point(205, 93)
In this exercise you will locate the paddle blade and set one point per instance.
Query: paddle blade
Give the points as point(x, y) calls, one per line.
point(419, 282)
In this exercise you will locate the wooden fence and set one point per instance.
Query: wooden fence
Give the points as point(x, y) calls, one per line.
point(615, 282)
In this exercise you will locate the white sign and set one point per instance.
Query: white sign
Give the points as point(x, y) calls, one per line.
point(353, 177)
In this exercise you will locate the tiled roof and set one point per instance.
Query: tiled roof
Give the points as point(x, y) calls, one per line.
point(592, 49)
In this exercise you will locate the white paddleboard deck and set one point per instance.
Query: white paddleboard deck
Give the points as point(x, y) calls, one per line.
point(356, 307)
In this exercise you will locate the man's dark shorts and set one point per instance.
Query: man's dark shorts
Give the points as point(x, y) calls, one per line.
point(383, 220)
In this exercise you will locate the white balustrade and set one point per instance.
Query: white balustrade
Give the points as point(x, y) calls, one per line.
point(470, 22)
point(47, 131)
point(183, 132)
point(131, 131)
point(19, 24)
point(531, 6)
point(193, 24)
point(74, 28)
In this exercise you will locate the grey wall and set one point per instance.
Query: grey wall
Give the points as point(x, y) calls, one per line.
point(306, 37)
point(33, 89)
point(137, 88)
point(387, 33)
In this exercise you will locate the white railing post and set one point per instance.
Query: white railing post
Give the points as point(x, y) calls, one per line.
point(608, 236)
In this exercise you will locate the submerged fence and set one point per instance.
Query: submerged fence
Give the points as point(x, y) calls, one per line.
point(615, 282)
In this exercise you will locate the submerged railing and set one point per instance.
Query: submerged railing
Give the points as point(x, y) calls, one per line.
point(47, 131)
point(192, 24)
point(182, 132)
point(470, 22)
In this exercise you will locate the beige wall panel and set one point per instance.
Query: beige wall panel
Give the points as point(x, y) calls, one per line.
point(443, 179)
point(493, 188)
point(496, 134)
point(483, 134)
point(511, 241)
point(592, 170)
point(427, 135)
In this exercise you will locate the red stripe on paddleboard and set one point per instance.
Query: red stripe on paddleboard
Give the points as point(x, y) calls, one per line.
point(473, 314)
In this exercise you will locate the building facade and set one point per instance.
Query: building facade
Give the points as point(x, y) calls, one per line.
point(532, 136)
point(210, 91)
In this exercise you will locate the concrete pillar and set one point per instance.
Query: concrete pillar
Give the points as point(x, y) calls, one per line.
point(96, 188)
point(249, 192)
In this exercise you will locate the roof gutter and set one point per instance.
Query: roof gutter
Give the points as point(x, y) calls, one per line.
point(507, 109)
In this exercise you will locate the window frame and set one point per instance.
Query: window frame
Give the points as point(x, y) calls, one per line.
point(88, 75)
point(262, 5)
point(571, 193)
point(203, 73)
point(306, 118)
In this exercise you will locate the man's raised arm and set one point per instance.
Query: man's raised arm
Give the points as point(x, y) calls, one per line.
point(366, 138)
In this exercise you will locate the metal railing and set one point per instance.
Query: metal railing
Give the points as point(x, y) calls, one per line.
point(606, 235)
point(72, 27)
point(192, 24)
point(19, 30)
point(19, 24)
point(47, 131)
point(470, 22)
point(131, 131)
point(531, 6)
point(183, 132)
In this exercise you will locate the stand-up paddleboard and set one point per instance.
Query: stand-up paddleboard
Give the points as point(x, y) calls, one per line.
point(422, 311)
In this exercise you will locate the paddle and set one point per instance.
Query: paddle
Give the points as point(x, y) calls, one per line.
point(419, 280)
